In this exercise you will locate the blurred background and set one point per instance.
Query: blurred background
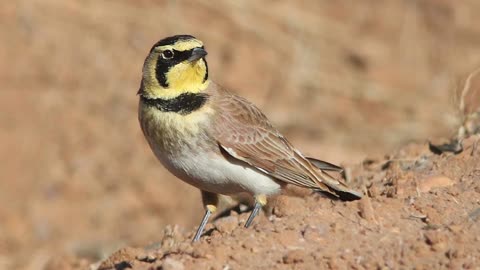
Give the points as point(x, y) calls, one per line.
point(342, 79)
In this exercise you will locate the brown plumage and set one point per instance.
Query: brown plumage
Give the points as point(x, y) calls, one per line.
point(246, 134)
point(215, 140)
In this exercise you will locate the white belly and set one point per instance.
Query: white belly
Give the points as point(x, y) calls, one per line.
point(195, 160)
point(214, 173)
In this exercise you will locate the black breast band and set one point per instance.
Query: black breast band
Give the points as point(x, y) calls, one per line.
point(183, 104)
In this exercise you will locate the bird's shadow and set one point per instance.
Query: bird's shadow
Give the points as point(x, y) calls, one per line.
point(227, 211)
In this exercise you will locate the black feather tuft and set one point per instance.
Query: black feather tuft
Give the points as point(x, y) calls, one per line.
point(171, 40)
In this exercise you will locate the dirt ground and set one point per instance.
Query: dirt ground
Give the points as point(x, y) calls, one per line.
point(422, 211)
point(364, 84)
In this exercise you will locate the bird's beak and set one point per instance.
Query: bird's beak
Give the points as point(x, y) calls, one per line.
point(197, 53)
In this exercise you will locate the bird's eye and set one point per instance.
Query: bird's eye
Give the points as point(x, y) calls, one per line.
point(167, 54)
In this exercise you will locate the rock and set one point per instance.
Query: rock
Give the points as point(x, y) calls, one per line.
point(365, 209)
point(147, 257)
point(427, 184)
point(315, 233)
point(474, 215)
point(172, 264)
point(433, 216)
point(373, 191)
point(435, 238)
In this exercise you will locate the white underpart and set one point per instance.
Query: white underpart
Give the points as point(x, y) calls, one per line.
point(214, 173)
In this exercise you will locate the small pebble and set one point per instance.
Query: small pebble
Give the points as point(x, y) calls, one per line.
point(427, 184)
point(172, 264)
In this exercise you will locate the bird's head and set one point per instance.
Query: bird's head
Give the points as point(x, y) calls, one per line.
point(175, 65)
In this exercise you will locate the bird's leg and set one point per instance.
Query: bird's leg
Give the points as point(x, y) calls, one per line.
point(205, 218)
point(260, 201)
point(210, 201)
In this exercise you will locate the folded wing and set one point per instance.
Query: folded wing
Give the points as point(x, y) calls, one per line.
point(244, 132)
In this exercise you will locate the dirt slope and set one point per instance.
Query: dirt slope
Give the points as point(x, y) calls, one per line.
point(422, 211)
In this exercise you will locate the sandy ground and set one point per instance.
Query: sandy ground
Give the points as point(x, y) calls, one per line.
point(345, 81)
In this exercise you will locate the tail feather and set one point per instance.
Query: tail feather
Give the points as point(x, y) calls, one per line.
point(323, 165)
point(335, 186)
point(340, 188)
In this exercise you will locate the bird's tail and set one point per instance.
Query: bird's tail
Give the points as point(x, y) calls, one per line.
point(336, 186)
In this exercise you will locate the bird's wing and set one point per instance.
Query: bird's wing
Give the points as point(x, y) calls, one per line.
point(244, 132)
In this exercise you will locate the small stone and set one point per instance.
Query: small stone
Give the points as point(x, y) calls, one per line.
point(475, 214)
point(185, 247)
point(365, 209)
point(434, 238)
point(420, 249)
point(456, 228)
point(440, 247)
point(315, 233)
point(427, 184)
point(455, 264)
point(294, 256)
point(433, 216)
point(373, 191)
point(146, 257)
point(141, 257)
point(172, 264)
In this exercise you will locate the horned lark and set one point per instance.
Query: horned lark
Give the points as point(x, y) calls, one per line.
point(215, 140)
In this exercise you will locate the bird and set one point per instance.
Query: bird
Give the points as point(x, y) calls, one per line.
point(215, 140)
